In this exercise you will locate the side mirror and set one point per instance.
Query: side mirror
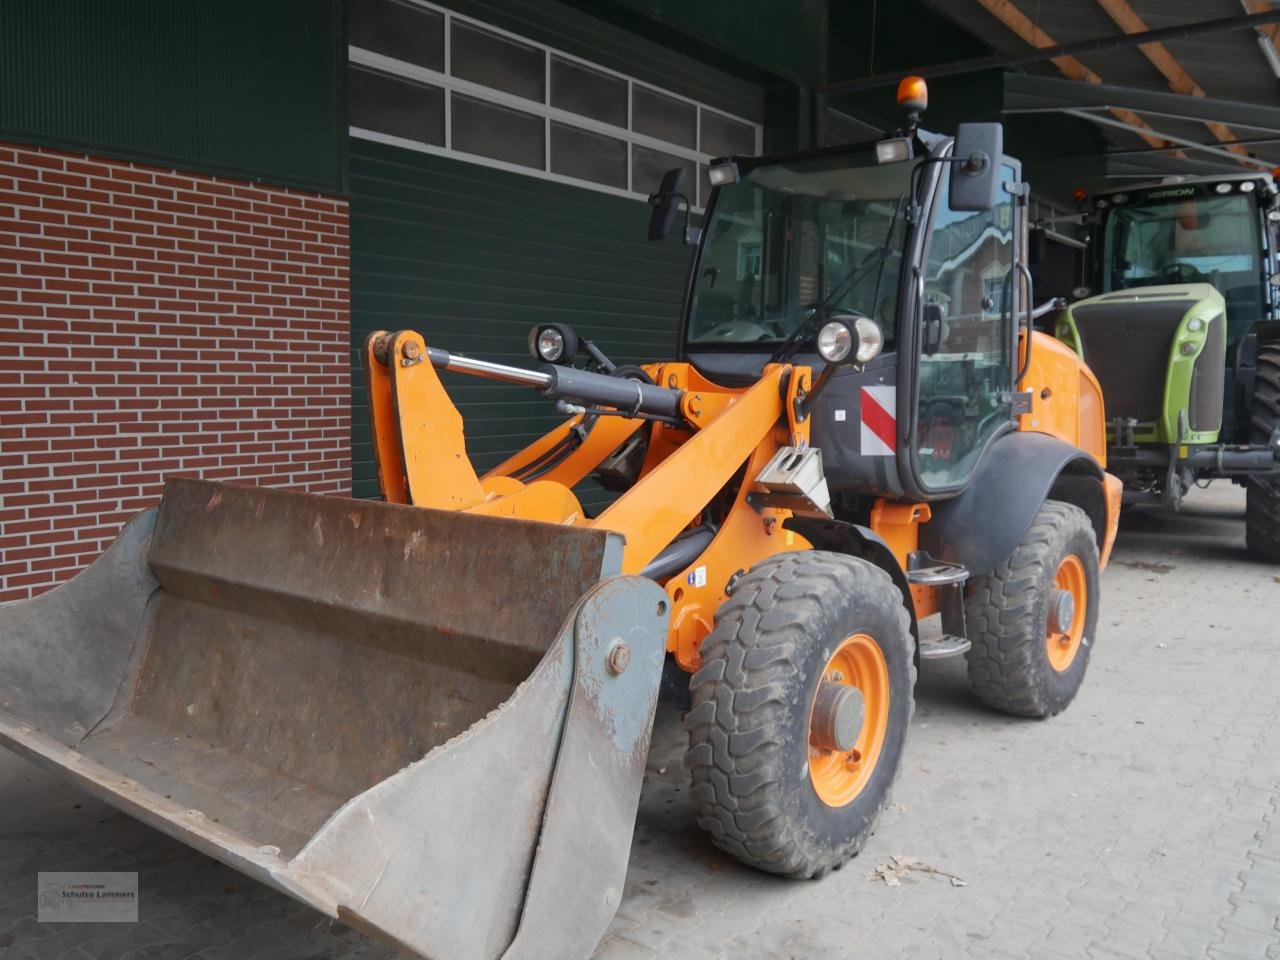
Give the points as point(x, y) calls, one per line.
point(975, 172)
point(666, 203)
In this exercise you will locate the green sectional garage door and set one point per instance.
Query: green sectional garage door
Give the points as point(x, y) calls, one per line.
point(498, 182)
point(472, 257)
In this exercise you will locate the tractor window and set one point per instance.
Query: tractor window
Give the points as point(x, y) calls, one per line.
point(789, 237)
point(966, 357)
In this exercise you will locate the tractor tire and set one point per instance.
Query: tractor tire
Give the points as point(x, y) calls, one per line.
point(798, 631)
point(1262, 510)
point(1023, 660)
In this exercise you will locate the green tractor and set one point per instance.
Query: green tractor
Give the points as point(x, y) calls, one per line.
point(1183, 332)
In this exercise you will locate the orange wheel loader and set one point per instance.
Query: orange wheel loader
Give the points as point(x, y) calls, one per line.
point(430, 716)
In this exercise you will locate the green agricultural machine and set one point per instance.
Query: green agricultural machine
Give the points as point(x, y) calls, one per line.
point(1183, 332)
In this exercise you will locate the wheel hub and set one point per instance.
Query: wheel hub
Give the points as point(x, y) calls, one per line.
point(1062, 610)
point(838, 713)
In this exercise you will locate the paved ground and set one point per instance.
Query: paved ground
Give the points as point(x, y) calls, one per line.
point(1142, 823)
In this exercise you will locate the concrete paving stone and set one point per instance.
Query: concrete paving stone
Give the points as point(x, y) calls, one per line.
point(1070, 940)
point(1127, 940)
point(1099, 952)
point(1260, 917)
point(1193, 939)
point(1245, 943)
point(167, 950)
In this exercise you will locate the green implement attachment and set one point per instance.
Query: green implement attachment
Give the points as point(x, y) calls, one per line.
point(430, 724)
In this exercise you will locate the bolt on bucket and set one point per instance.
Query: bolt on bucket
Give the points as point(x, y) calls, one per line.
point(430, 724)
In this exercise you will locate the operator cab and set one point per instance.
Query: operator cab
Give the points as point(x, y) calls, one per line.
point(874, 232)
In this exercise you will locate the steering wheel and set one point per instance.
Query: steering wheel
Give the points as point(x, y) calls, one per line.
point(737, 331)
point(1182, 272)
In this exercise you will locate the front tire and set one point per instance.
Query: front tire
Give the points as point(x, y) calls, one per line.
point(782, 778)
point(1030, 645)
point(1262, 511)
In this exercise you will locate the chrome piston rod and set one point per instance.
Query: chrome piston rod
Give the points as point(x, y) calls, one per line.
point(444, 360)
point(631, 397)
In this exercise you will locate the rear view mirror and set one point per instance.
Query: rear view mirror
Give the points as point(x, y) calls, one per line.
point(666, 203)
point(975, 172)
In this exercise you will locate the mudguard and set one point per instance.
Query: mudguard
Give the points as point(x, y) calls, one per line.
point(984, 524)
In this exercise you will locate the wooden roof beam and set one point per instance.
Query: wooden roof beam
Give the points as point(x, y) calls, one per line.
point(1029, 33)
point(1128, 20)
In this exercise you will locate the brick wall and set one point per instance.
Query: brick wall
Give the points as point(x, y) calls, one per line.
point(154, 322)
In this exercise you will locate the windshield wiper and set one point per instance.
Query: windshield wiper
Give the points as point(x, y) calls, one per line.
point(878, 257)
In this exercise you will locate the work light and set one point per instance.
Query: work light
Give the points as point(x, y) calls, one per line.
point(721, 173)
point(553, 343)
point(550, 345)
point(894, 150)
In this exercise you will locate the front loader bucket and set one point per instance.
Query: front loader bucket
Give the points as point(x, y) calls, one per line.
point(432, 725)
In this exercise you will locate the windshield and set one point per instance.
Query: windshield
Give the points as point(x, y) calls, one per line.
point(1200, 239)
point(789, 237)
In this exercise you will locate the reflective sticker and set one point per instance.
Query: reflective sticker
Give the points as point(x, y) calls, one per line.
point(840, 416)
point(879, 421)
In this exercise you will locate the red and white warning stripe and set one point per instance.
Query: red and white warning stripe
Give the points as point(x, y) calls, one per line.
point(879, 421)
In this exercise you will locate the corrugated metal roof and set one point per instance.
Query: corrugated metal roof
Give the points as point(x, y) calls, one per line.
point(1227, 65)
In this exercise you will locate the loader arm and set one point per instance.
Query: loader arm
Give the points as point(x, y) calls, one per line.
point(413, 416)
point(665, 501)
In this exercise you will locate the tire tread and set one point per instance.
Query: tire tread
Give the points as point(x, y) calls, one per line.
point(740, 703)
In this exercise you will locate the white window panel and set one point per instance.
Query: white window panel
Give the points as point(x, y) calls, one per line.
point(510, 103)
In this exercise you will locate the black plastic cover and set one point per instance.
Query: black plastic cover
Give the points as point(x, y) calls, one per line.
point(983, 525)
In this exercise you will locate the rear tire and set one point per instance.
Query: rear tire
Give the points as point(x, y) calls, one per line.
point(1016, 663)
point(750, 727)
point(1262, 513)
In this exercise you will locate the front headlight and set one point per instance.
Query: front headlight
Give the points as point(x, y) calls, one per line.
point(870, 339)
point(850, 339)
point(835, 341)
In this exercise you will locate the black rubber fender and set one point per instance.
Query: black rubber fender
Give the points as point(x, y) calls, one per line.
point(984, 524)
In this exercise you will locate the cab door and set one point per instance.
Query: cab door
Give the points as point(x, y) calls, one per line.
point(967, 336)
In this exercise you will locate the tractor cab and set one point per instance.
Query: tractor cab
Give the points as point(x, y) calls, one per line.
point(1214, 230)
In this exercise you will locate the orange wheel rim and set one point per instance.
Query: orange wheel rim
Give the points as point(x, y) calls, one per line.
point(838, 776)
point(1062, 641)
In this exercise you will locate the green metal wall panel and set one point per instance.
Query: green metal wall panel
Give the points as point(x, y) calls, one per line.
point(473, 256)
point(787, 38)
point(244, 87)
